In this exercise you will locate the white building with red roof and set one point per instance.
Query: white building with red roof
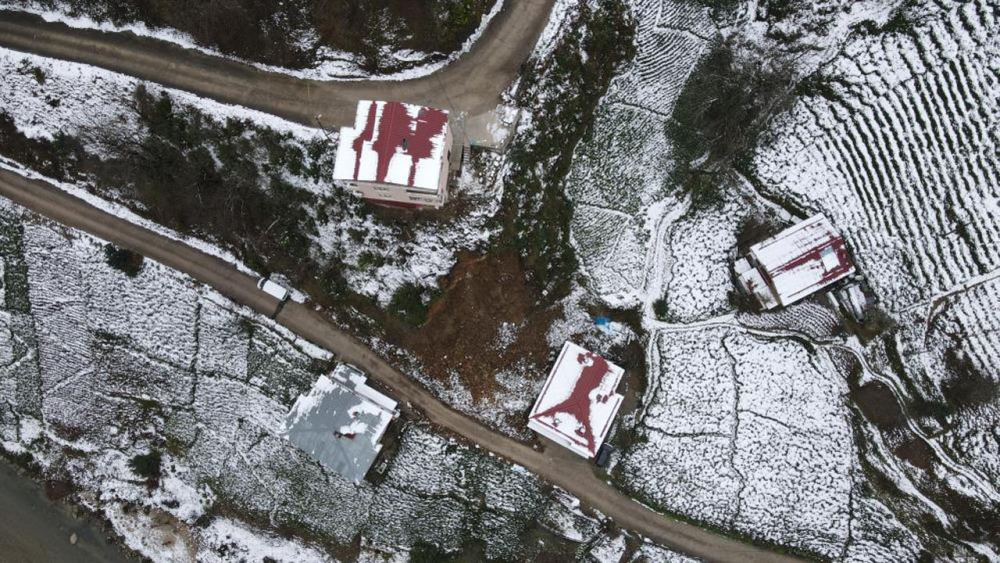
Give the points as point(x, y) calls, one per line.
point(795, 263)
point(396, 154)
point(578, 401)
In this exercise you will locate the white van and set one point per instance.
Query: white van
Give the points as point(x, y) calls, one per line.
point(273, 289)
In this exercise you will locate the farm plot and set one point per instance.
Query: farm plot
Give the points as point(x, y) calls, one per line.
point(901, 152)
point(158, 368)
point(621, 169)
point(753, 435)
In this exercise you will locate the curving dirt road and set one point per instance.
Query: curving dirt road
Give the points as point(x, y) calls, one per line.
point(554, 465)
point(473, 83)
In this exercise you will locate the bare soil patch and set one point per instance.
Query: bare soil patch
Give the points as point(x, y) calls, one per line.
point(879, 406)
point(488, 320)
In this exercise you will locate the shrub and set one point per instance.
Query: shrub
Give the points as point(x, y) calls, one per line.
point(148, 466)
point(410, 303)
point(660, 308)
point(124, 259)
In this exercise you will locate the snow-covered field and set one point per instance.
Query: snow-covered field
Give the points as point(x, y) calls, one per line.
point(743, 426)
point(753, 434)
point(902, 155)
point(619, 180)
point(331, 65)
point(100, 367)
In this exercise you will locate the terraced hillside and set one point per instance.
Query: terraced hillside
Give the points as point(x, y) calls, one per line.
point(101, 368)
point(898, 143)
point(902, 151)
point(619, 180)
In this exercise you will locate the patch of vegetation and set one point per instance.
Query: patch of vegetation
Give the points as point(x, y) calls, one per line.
point(726, 104)
point(426, 552)
point(563, 93)
point(15, 271)
point(660, 308)
point(411, 303)
point(36, 72)
point(967, 386)
point(124, 259)
point(148, 466)
point(293, 33)
point(55, 158)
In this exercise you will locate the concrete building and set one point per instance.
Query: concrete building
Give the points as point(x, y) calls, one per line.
point(340, 422)
point(396, 154)
point(794, 264)
point(578, 402)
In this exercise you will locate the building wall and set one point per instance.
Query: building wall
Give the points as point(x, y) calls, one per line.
point(407, 196)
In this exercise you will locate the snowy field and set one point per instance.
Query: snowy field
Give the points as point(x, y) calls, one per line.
point(100, 367)
point(753, 434)
point(902, 155)
point(332, 65)
point(619, 180)
point(742, 426)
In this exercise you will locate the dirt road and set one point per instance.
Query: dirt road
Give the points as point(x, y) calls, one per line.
point(557, 467)
point(34, 530)
point(472, 83)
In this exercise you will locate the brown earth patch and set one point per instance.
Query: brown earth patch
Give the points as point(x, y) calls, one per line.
point(488, 319)
point(916, 452)
point(879, 406)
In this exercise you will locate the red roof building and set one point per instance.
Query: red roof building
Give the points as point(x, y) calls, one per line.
point(578, 402)
point(795, 263)
point(396, 154)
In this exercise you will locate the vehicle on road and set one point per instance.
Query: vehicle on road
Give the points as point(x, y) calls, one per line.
point(273, 289)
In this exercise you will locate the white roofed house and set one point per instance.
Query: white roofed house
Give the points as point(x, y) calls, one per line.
point(578, 402)
point(340, 422)
point(794, 264)
point(396, 154)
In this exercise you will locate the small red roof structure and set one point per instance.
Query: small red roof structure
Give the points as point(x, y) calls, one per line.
point(578, 401)
point(795, 263)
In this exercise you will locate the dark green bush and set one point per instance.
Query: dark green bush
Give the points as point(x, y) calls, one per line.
point(148, 466)
point(123, 259)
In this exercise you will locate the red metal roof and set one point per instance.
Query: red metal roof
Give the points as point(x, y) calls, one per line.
point(398, 132)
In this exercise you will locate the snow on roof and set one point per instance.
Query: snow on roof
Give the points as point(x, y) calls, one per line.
point(803, 259)
point(578, 401)
point(393, 143)
point(340, 421)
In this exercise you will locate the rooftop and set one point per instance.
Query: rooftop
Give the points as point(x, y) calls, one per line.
point(803, 259)
point(578, 401)
point(393, 143)
point(340, 421)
